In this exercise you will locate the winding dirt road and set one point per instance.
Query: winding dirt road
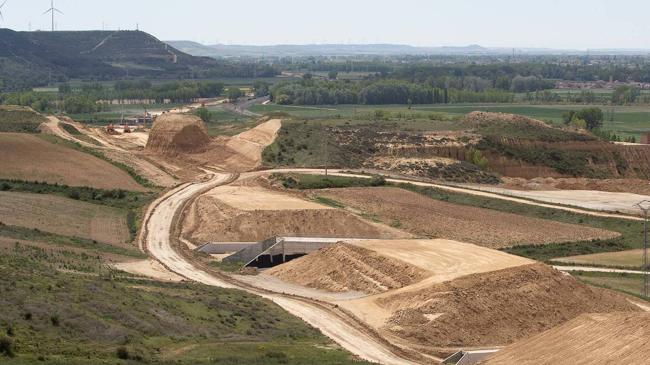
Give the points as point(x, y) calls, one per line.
point(157, 240)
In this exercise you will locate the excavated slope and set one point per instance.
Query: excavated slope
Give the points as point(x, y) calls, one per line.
point(615, 338)
point(177, 133)
point(495, 308)
point(344, 267)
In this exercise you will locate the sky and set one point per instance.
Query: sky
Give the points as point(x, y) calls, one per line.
point(565, 24)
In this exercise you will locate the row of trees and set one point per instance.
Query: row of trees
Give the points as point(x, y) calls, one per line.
point(378, 92)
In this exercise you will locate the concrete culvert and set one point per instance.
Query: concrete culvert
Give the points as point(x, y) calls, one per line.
point(178, 133)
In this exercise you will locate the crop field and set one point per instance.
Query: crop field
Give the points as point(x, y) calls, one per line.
point(28, 157)
point(628, 259)
point(627, 120)
point(628, 283)
point(19, 119)
point(64, 216)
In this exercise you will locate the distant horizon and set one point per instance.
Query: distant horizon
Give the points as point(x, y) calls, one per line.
point(553, 24)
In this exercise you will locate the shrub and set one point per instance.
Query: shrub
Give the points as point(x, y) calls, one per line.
point(55, 320)
point(7, 346)
point(122, 353)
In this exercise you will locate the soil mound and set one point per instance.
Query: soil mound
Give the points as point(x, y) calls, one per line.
point(178, 133)
point(616, 338)
point(479, 118)
point(344, 267)
point(495, 308)
point(209, 219)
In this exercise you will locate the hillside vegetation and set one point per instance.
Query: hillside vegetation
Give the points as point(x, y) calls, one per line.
point(19, 119)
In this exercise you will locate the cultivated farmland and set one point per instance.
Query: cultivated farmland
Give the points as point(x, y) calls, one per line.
point(64, 216)
point(28, 157)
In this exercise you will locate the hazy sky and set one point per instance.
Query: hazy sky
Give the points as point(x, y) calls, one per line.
point(578, 24)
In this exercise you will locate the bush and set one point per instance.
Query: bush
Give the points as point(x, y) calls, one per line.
point(122, 353)
point(55, 320)
point(7, 346)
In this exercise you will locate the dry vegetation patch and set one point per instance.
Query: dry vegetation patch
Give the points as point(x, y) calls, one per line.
point(427, 217)
point(344, 267)
point(64, 216)
point(28, 157)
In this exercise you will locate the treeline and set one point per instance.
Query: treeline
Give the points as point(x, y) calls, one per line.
point(378, 92)
point(93, 97)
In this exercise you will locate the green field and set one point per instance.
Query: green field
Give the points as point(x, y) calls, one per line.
point(65, 306)
point(627, 283)
point(627, 120)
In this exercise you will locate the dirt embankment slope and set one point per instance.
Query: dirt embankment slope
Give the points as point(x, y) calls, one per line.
point(173, 134)
point(495, 308)
point(615, 338)
point(427, 217)
point(28, 157)
point(344, 267)
point(210, 219)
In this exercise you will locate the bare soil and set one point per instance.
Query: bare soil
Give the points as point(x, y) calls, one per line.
point(209, 219)
point(344, 267)
point(177, 133)
point(496, 308)
point(430, 218)
point(27, 157)
point(636, 186)
point(614, 338)
point(64, 216)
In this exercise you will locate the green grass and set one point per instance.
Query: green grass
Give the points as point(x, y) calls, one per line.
point(627, 120)
point(68, 308)
point(628, 283)
point(27, 234)
point(19, 119)
point(329, 202)
point(309, 181)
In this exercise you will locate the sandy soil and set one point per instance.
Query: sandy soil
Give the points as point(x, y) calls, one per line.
point(64, 216)
point(252, 198)
point(27, 157)
point(615, 338)
point(248, 146)
point(149, 268)
point(157, 240)
point(436, 219)
point(493, 308)
point(631, 258)
point(209, 219)
point(636, 186)
point(588, 199)
point(344, 267)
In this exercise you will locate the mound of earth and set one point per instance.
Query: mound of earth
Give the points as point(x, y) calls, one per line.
point(210, 219)
point(615, 338)
point(177, 133)
point(494, 308)
point(431, 218)
point(343, 267)
point(479, 118)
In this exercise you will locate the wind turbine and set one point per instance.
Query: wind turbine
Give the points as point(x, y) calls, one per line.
point(53, 10)
point(2, 6)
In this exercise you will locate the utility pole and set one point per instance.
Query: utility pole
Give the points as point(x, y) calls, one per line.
point(644, 205)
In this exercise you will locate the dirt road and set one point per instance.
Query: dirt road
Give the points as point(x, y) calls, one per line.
point(156, 237)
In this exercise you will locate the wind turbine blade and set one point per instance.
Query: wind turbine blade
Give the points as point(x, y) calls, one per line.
point(59, 11)
point(47, 11)
point(1, 16)
point(3, 4)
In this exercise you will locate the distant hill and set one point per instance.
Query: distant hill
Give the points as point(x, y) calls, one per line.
point(31, 58)
point(222, 50)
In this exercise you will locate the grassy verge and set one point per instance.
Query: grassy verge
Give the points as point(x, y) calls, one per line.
point(27, 234)
point(72, 130)
point(54, 314)
point(306, 181)
point(329, 202)
point(628, 283)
